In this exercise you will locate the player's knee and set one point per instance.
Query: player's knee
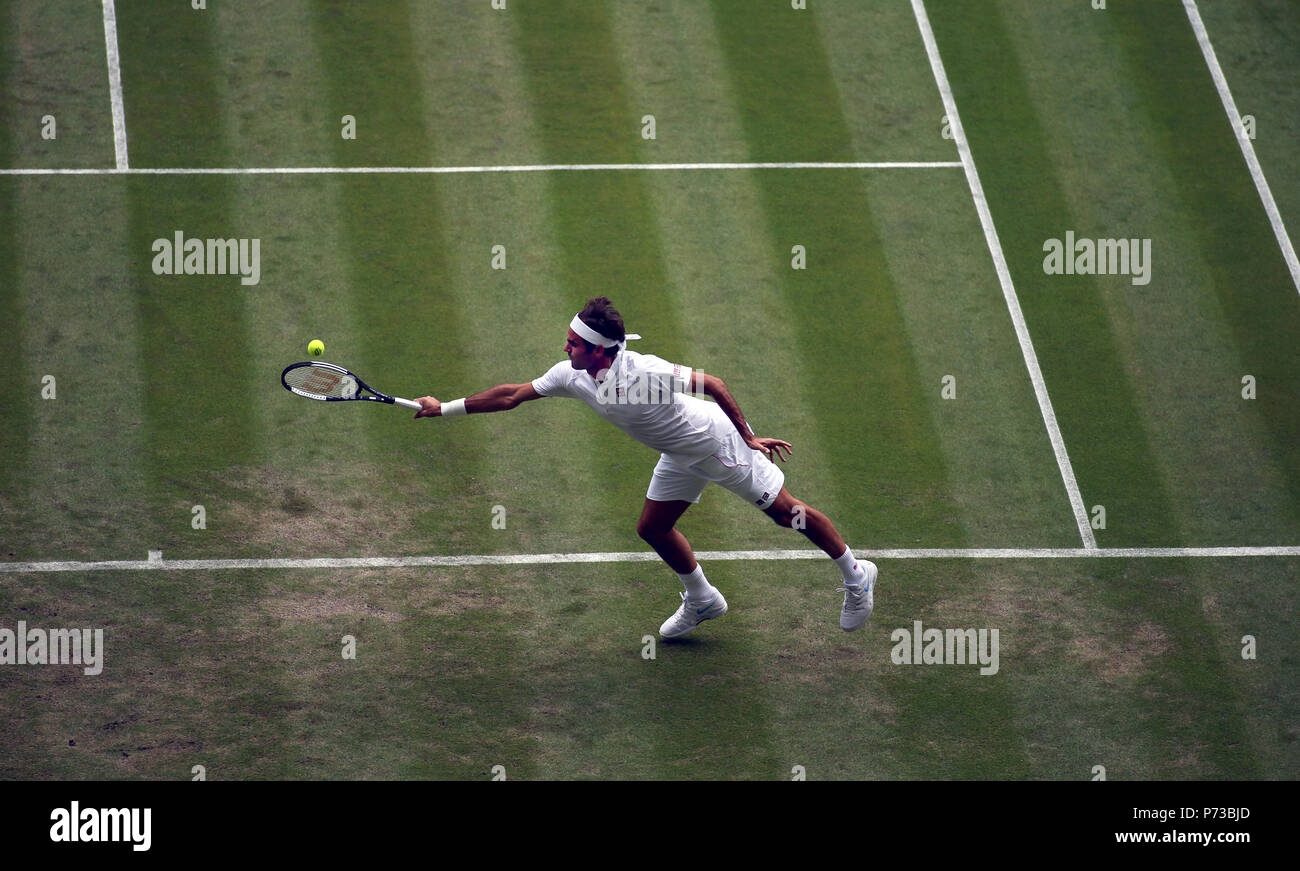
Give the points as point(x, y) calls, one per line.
point(647, 530)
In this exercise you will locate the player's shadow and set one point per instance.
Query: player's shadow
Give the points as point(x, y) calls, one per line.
point(686, 641)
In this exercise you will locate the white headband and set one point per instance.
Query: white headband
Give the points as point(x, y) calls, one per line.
point(596, 338)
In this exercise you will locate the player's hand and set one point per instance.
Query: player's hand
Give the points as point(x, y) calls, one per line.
point(432, 407)
point(771, 448)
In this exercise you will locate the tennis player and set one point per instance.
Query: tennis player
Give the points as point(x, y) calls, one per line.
point(699, 441)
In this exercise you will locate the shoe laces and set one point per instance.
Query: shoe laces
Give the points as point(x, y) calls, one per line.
point(684, 609)
point(855, 596)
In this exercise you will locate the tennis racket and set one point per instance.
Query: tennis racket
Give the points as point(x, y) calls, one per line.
point(333, 384)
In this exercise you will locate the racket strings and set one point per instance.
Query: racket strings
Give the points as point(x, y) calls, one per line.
point(321, 382)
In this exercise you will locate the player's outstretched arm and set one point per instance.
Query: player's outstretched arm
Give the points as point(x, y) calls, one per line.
point(503, 397)
point(712, 387)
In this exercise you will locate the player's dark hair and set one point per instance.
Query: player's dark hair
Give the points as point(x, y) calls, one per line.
point(601, 316)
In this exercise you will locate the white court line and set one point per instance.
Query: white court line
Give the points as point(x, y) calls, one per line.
point(1247, 149)
point(510, 559)
point(451, 170)
point(1004, 275)
point(115, 86)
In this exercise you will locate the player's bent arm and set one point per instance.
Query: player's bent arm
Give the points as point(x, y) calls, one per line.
point(503, 397)
point(712, 386)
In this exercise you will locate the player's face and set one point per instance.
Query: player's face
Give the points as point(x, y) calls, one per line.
point(579, 357)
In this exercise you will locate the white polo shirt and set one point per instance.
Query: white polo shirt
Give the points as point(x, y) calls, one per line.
point(645, 396)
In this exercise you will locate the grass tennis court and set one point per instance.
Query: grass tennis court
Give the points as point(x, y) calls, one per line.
point(892, 360)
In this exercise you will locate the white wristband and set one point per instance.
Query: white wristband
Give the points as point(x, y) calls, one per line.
point(454, 408)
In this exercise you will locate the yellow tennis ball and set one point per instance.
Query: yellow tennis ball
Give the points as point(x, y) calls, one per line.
point(316, 347)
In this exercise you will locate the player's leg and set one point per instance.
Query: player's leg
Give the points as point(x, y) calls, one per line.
point(672, 490)
point(789, 512)
point(760, 482)
point(859, 575)
point(656, 526)
point(701, 601)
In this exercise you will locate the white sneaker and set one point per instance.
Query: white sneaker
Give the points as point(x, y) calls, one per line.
point(692, 614)
point(859, 600)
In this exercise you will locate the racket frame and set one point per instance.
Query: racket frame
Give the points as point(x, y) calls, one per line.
point(378, 395)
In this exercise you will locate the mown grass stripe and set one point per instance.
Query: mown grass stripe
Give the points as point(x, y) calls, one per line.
point(16, 406)
point(404, 292)
point(1004, 278)
point(860, 368)
point(786, 90)
point(1092, 395)
point(475, 105)
point(109, 479)
point(1068, 322)
point(1256, 47)
point(76, 471)
point(736, 319)
point(678, 78)
point(1000, 466)
point(167, 71)
point(884, 81)
point(1260, 603)
point(1247, 270)
point(197, 370)
point(609, 244)
point(560, 699)
point(844, 303)
point(1194, 706)
point(513, 319)
point(299, 493)
point(194, 339)
point(613, 246)
point(860, 339)
point(1237, 124)
point(1003, 477)
point(1214, 451)
point(575, 84)
point(1239, 247)
point(401, 279)
point(271, 79)
point(57, 84)
point(10, 71)
point(88, 486)
point(70, 285)
point(715, 257)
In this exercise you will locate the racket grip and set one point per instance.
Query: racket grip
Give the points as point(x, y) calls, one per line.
point(407, 403)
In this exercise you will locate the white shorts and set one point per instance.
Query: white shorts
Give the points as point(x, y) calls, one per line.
point(742, 470)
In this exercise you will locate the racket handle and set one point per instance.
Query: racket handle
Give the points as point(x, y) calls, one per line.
point(407, 403)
